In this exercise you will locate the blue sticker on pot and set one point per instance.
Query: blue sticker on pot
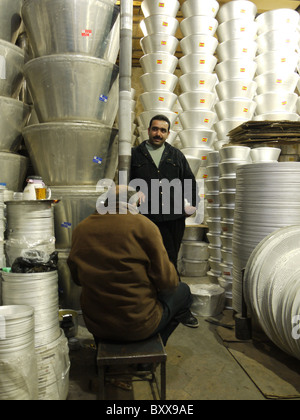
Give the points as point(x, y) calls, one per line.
point(97, 160)
point(66, 225)
point(103, 98)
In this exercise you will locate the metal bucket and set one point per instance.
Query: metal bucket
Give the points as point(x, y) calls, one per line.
point(13, 170)
point(68, 87)
point(10, 19)
point(88, 27)
point(93, 152)
point(11, 74)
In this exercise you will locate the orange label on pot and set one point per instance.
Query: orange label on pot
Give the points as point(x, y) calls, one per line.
point(163, 42)
point(161, 99)
point(165, 24)
point(159, 62)
point(163, 82)
point(205, 139)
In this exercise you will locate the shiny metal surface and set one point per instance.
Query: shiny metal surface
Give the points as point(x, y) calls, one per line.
point(72, 153)
point(159, 23)
point(235, 108)
point(235, 88)
point(197, 100)
point(158, 62)
point(236, 69)
point(159, 81)
point(286, 19)
point(235, 152)
point(10, 19)
point(237, 28)
point(197, 119)
point(194, 250)
point(277, 39)
point(283, 61)
point(167, 7)
point(265, 154)
point(191, 63)
point(13, 170)
point(73, 88)
point(227, 183)
point(237, 48)
point(272, 102)
point(225, 126)
point(198, 25)
point(277, 116)
point(198, 44)
point(198, 81)
point(236, 10)
point(274, 82)
point(13, 117)
point(194, 163)
point(158, 100)
point(197, 138)
point(88, 27)
point(11, 69)
point(159, 43)
point(203, 8)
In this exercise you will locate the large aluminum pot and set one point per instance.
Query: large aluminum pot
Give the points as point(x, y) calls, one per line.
point(199, 44)
point(159, 24)
point(167, 7)
point(10, 19)
point(237, 28)
point(198, 25)
point(236, 88)
point(159, 43)
point(272, 102)
point(200, 8)
point(66, 153)
point(239, 9)
point(235, 108)
point(197, 63)
point(159, 81)
point(279, 61)
point(11, 69)
point(197, 100)
point(70, 26)
point(286, 19)
point(158, 100)
point(236, 69)
point(198, 81)
point(158, 62)
point(197, 119)
point(13, 117)
point(237, 48)
point(68, 87)
point(274, 82)
point(13, 170)
point(277, 40)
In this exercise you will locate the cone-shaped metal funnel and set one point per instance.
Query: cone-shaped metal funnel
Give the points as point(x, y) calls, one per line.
point(73, 26)
point(13, 117)
point(73, 88)
point(13, 170)
point(11, 69)
point(72, 153)
point(10, 19)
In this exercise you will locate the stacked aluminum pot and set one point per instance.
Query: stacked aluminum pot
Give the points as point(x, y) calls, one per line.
point(73, 81)
point(277, 63)
point(236, 69)
point(14, 113)
point(158, 63)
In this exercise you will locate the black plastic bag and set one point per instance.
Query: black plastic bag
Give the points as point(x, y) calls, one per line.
point(35, 262)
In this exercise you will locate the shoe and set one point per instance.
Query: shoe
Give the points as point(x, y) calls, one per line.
point(190, 321)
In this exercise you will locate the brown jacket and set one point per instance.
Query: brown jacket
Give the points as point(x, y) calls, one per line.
point(121, 263)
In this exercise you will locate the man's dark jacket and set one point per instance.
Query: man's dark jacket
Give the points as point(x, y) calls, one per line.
point(160, 205)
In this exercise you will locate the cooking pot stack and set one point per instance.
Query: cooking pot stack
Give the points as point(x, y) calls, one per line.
point(73, 81)
point(198, 80)
point(236, 68)
point(14, 113)
point(158, 63)
point(277, 63)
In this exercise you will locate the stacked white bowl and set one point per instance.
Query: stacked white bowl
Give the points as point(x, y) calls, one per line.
point(198, 80)
point(277, 62)
point(236, 68)
point(230, 158)
point(158, 63)
point(213, 215)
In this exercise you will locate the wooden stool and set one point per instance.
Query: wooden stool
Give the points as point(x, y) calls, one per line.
point(150, 352)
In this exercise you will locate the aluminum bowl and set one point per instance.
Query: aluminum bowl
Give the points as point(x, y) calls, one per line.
point(159, 81)
point(69, 27)
point(277, 40)
point(227, 198)
point(236, 89)
point(198, 81)
point(225, 126)
point(11, 69)
point(67, 87)
point(212, 185)
point(159, 24)
point(229, 168)
point(235, 108)
point(236, 69)
point(213, 239)
point(237, 28)
point(194, 163)
point(167, 7)
point(159, 43)
point(286, 19)
point(235, 152)
point(277, 61)
point(145, 117)
point(237, 9)
point(158, 62)
point(237, 48)
point(213, 158)
point(227, 212)
point(10, 20)
point(197, 119)
point(198, 152)
point(197, 100)
point(213, 171)
point(265, 154)
point(13, 170)
point(197, 138)
point(200, 8)
point(198, 25)
point(190, 63)
point(228, 183)
point(275, 82)
point(277, 116)
point(199, 44)
point(158, 100)
point(272, 102)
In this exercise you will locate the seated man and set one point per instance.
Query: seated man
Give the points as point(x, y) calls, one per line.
point(130, 289)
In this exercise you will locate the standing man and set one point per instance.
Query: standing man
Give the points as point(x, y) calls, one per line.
point(170, 184)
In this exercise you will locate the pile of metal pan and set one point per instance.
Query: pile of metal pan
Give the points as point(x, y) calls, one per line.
point(74, 83)
point(18, 363)
point(14, 113)
point(277, 63)
point(272, 287)
point(237, 67)
point(267, 198)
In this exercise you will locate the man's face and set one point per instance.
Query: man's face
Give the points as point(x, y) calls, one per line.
point(158, 133)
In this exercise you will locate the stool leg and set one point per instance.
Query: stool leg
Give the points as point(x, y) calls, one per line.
point(101, 376)
point(163, 381)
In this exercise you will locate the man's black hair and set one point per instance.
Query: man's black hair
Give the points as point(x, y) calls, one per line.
point(161, 118)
